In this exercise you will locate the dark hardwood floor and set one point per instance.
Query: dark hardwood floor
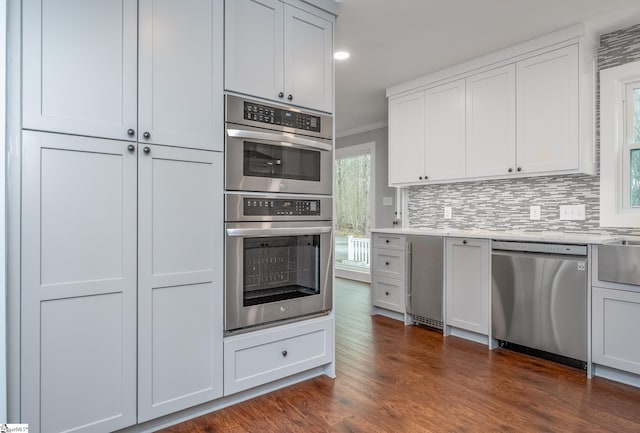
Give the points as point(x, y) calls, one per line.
point(392, 378)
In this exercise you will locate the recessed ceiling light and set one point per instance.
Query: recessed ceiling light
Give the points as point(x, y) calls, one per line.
point(341, 55)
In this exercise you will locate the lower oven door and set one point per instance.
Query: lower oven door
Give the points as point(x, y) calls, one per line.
point(276, 271)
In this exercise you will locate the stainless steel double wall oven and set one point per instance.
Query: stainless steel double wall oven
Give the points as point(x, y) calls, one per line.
point(278, 214)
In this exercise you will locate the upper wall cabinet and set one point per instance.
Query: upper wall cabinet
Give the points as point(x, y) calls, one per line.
point(428, 129)
point(279, 52)
point(83, 73)
point(547, 112)
point(524, 111)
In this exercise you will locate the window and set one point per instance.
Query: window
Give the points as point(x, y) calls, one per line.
point(620, 146)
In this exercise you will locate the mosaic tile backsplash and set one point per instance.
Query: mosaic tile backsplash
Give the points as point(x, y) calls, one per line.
point(504, 204)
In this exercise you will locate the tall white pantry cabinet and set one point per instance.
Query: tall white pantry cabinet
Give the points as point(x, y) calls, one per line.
point(121, 296)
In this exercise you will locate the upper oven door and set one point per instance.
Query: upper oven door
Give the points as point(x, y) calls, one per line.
point(261, 160)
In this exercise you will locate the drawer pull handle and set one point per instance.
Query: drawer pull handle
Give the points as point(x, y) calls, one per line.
point(464, 242)
point(386, 263)
point(387, 241)
point(386, 293)
point(284, 353)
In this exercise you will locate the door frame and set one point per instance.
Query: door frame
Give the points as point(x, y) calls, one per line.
point(348, 152)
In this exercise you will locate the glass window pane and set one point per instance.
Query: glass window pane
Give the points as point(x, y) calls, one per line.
point(635, 177)
point(636, 115)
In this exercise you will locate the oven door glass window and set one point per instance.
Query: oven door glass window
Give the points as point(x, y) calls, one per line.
point(280, 268)
point(281, 162)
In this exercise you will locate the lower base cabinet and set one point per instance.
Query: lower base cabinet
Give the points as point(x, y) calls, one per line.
point(388, 293)
point(615, 325)
point(259, 357)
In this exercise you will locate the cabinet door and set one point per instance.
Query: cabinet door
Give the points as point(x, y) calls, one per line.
point(406, 139)
point(78, 283)
point(467, 284)
point(180, 279)
point(254, 47)
point(547, 111)
point(491, 122)
point(616, 320)
point(445, 131)
point(180, 79)
point(80, 67)
point(308, 59)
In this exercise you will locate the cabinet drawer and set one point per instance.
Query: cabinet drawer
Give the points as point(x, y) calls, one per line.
point(388, 293)
point(389, 263)
point(392, 242)
point(263, 356)
point(616, 320)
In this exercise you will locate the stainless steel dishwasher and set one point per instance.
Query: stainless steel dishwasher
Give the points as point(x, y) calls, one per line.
point(425, 255)
point(539, 297)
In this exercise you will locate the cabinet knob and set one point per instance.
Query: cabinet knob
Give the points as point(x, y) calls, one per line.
point(131, 132)
point(464, 242)
point(420, 178)
point(426, 178)
point(146, 135)
point(280, 95)
point(131, 148)
point(510, 170)
point(386, 263)
point(290, 97)
point(519, 168)
point(386, 293)
point(387, 240)
point(284, 353)
point(146, 150)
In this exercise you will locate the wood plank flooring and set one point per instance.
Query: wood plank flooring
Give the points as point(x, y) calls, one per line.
point(392, 378)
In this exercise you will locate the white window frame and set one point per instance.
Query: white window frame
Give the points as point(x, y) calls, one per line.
point(616, 111)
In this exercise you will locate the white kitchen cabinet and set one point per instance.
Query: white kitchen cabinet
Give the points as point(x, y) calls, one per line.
point(80, 66)
point(467, 284)
point(388, 272)
point(406, 139)
point(78, 296)
point(491, 122)
point(83, 74)
point(445, 131)
point(180, 286)
point(548, 112)
point(615, 324)
point(263, 356)
point(180, 85)
point(279, 52)
point(427, 135)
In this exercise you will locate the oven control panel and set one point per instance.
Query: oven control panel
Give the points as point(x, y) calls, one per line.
point(280, 116)
point(280, 207)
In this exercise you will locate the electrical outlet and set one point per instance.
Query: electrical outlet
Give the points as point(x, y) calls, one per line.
point(534, 212)
point(574, 212)
point(447, 212)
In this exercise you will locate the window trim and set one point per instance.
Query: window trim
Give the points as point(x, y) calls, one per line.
point(615, 209)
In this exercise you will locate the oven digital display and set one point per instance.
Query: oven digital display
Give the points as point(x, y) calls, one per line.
point(280, 116)
point(280, 207)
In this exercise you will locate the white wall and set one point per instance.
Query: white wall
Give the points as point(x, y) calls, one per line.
point(3, 238)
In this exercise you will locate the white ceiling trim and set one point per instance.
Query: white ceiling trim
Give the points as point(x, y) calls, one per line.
point(362, 128)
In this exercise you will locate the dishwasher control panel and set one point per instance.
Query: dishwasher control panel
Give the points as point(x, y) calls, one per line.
point(539, 247)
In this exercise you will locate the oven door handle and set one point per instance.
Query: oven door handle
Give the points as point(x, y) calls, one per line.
point(281, 231)
point(284, 138)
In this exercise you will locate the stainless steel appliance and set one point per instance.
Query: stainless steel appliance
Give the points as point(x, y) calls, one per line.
point(619, 262)
point(424, 293)
point(277, 149)
point(539, 297)
point(278, 253)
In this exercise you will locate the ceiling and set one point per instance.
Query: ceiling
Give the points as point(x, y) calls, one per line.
point(395, 41)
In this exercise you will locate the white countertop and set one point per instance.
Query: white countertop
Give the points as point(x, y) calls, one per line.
point(548, 236)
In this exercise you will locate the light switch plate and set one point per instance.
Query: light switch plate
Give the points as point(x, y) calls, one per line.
point(447, 212)
point(534, 212)
point(576, 212)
